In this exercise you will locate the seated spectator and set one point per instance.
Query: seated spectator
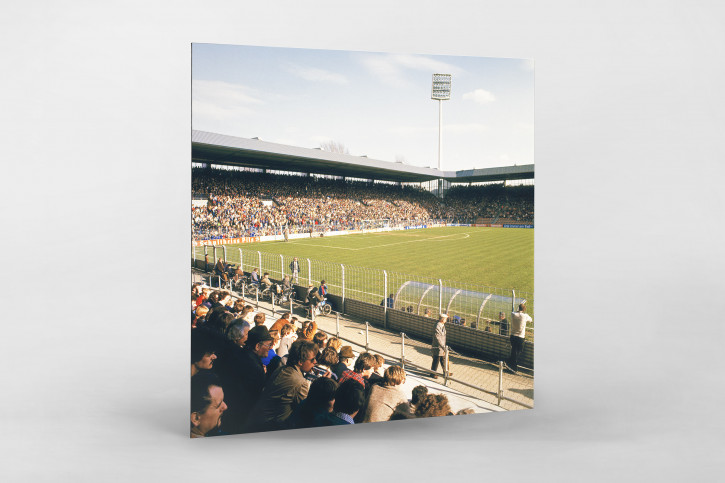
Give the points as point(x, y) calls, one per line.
point(281, 322)
point(402, 411)
point(286, 340)
point(433, 405)
point(361, 371)
point(248, 314)
point(272, 351)
point(254, 276)
point(285, 390)
point(213, 299)
point(247, 375)
point(237, 332)
point(203, 296)
point(225, 300)
point(259, 319)
point(325, 360)
point(207, 405)
point(419, 392)
point(390, 302)
point(346, 361)
point(266, 282)
point(286, 286)
point(316, 409)
point(238, 308)
point(219, 320)
point(308, 330)
point(320, 338)
point(335, 343)
point(376, 377)
point(349, 399)
point(200, 318)
point(203, 350)
point(384, 398)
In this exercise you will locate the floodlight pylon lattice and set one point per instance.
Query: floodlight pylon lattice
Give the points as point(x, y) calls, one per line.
point(440, 91)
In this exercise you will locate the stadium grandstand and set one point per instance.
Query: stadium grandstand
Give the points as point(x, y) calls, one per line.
point(243, 187)
point(281, 363)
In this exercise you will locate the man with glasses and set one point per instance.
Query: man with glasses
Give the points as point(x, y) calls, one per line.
point(286, 389)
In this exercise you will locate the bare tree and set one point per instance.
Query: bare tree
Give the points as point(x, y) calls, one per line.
point(334, 147)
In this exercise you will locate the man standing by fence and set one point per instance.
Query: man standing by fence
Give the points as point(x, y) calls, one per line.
point(438, 346)
point(519, 320)
point(294, 267)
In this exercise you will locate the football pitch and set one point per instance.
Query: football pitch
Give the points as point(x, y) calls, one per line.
point(495, 257)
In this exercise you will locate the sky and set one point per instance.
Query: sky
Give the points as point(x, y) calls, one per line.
point(376, 104)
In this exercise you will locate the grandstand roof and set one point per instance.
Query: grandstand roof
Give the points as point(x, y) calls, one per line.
point(212, 148)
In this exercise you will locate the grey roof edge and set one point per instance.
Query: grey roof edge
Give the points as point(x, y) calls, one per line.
point(204, 137)
point(215, 139)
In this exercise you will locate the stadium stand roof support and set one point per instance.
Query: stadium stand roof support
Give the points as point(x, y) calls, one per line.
point(212, 148)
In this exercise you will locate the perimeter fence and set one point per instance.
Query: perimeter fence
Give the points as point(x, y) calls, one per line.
point(476, 306)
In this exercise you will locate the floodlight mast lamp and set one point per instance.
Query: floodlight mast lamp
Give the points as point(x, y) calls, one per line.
point(441, 92)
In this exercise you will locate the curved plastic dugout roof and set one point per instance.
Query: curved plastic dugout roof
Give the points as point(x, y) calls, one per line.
point(207, 147)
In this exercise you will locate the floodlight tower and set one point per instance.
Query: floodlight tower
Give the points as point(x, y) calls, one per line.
point(441, 92)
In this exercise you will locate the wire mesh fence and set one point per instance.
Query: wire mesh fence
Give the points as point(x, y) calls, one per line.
point(468, 304)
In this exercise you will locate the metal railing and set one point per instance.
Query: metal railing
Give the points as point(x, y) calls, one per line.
point(473, 305)
point(499, 393)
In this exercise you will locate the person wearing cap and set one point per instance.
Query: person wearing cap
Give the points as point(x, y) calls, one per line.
point(346, 359)
point(438, 345)
point(246, 380)
point(518, 335)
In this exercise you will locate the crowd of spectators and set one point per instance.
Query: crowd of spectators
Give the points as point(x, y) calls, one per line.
point(491, 203)
point(256, 204)
point(267, 375)
point(240, 203)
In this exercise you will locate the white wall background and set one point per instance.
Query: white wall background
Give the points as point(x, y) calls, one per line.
point(95, 128)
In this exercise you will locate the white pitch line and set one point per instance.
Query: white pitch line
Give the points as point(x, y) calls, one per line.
point(435, 239)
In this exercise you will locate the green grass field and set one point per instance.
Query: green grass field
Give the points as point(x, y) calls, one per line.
point(497, 257)
point(469, 258)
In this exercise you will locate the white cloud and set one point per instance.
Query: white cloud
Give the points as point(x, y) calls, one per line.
point(217, 99)
point(319, 140)
point(479, 96)
point(409, 130)
point(419, 62)
point(314, 74)
point(391, 68)
point(452, 128)
point(472, 127)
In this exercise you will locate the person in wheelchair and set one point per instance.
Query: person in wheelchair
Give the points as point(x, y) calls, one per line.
point(238, 279)
point(254, 277)
point(266, 283)
point(284, 290)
